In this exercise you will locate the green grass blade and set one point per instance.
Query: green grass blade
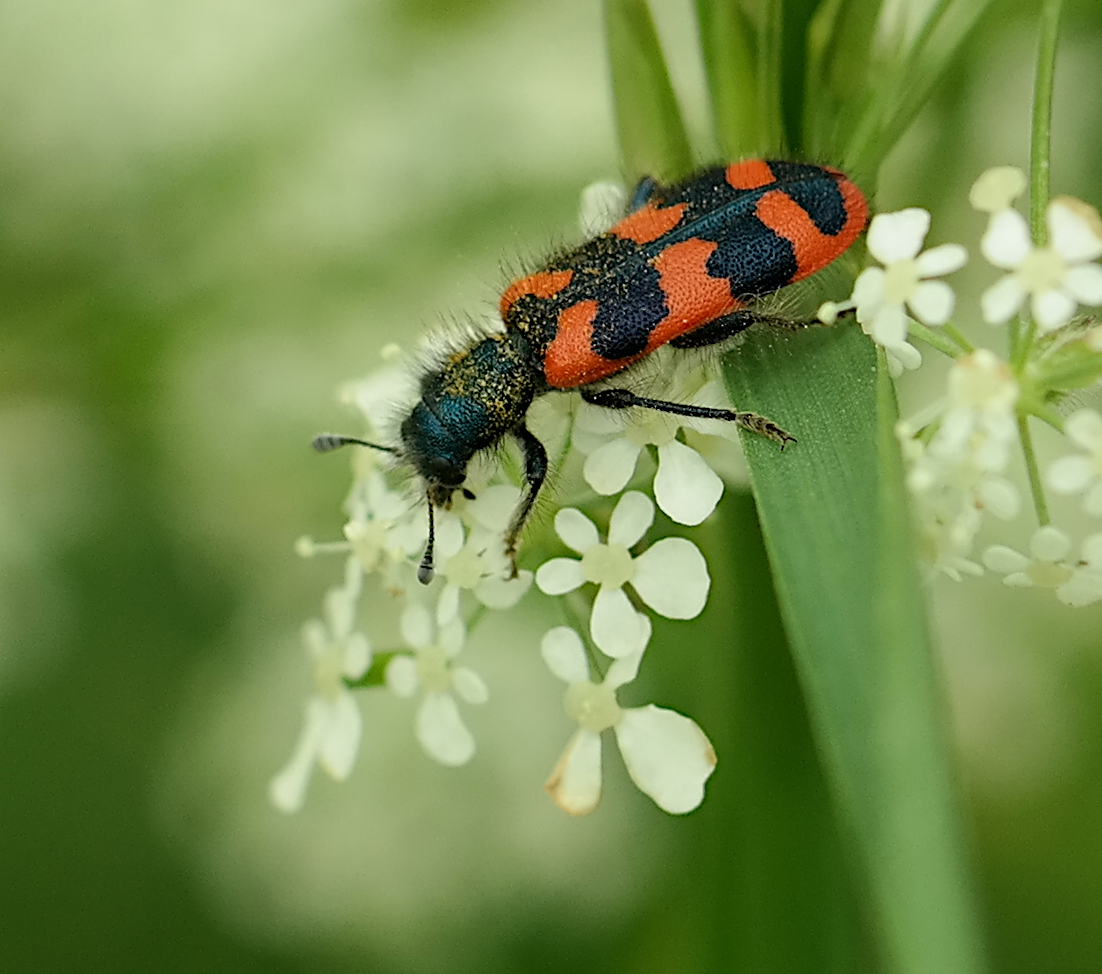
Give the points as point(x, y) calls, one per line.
point(652, 135)
point(727, 44)
point(839, 543)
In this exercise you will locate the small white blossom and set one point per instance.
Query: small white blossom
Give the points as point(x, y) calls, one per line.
point(602, 206)
point(671, 576)
point(1056, 278)
point(1046, 566)
point(431, 669)
point(478, 564)
point(884, 295)
point(979, 418)
point(666, 754)
point(1081, 474)
point(333, 727)
point(383, 527)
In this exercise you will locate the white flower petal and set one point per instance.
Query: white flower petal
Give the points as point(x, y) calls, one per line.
point(1018, 580)
point(686, 488)
point(1092, 500)
point(906, 356)
point(564, 654)
point(671, 576)
point(356, 657)
point(997, 188)
point(316, 637)
point(470, 687)
point(609, 468)
point(1000, 301)
point(999, 497)
point(630, 519)
point(416, 626)
point(559, 576)
point(602, 205)
point(868, 292)
point(667, 756)
point(999, 558)
point(451, 636)
point(287, 789)
point(441, 730)
point(1052, 309)
point(503, 593)
point(577, 531)
point(447, 606)
point(448, 536)
point(1084, 427)
point(1092, 551)
point(1083, 588)
point(898, 236)
point(1085, 284)
point(616, 628)
point(1006, 242)
point(932, 302)
point(1049, 544)
point(575, 784)
point(340, 739)
point(938, 261)
point(401, 676)
point(1070, 475)
point(493, 508)
point(1074, 229)
point(889, 327)
point(623, 670)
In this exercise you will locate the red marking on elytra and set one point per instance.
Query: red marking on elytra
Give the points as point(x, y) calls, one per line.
point(693, 296)
point(649, 223)
point(813, 248)
point(749, 174)
point(543, 284)
point(570, 360)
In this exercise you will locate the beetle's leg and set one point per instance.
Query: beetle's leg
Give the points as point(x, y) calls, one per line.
point(623, 399)
point(535, 471)
point(731, 324)
point(644, 190)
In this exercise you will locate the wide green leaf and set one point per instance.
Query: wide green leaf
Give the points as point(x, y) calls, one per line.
point(834, 516)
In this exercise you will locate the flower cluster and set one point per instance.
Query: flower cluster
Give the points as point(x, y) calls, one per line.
point(960, 449)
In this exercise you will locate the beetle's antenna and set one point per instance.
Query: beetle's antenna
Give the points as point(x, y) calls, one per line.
point(425, 570)
point(324, 442)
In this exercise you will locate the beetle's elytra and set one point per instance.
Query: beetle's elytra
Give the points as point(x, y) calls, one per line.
point(683, 268)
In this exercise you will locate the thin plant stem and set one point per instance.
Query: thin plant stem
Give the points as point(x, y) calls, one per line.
point(954, 333)
point(1035, 485)
point(1040, 142)
point(934, 338)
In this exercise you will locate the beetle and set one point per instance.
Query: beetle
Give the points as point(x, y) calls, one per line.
point(683, 268)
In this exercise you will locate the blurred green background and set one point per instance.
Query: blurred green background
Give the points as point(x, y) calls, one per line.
point(213, 213)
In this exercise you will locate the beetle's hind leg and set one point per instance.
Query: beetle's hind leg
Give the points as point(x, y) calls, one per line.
point(624, 399)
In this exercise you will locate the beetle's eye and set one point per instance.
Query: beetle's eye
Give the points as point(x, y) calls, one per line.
point(443, 472)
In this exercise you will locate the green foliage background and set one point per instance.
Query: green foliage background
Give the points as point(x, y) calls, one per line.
point(214, 213)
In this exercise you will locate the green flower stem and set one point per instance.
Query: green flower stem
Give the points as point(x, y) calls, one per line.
point(1046, 414)
point(935, 339)
point(1035, 485)
point(1041, 135)
point(955, 333)
point(1024, 347)
point(376, 674)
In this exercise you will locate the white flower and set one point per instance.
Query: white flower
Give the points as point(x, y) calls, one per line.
point(383, 527)
point(1058, 277)
point(671, 576)
point(1075, 583)
point(479, 564)
point(881, 295)
point(1078, 474)
point(979, 418)
point(602, 206)
point(666, 754)
point(440, 729)
point(685, 487)
point(332, 729)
